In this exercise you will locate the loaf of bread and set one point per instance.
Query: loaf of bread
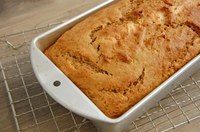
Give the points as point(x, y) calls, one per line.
point(120, 54)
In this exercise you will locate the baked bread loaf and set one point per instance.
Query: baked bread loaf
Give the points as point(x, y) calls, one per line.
point(123, 52)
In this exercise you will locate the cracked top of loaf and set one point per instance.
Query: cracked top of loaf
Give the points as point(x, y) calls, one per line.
point(121, 53)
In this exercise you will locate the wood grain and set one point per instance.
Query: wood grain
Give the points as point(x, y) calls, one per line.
point(20, 15)
point(6, 119)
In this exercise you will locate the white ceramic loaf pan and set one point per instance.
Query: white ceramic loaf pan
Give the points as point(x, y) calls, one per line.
point(68, 95)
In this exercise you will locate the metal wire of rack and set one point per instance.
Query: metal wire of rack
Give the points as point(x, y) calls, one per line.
point(33, 109)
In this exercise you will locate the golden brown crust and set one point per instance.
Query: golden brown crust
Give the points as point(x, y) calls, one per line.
point(120, 54)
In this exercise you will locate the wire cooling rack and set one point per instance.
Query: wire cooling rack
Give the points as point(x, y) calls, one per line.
point(34, 110)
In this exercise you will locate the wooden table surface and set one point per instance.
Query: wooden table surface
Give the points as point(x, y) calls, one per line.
point(20, 15)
